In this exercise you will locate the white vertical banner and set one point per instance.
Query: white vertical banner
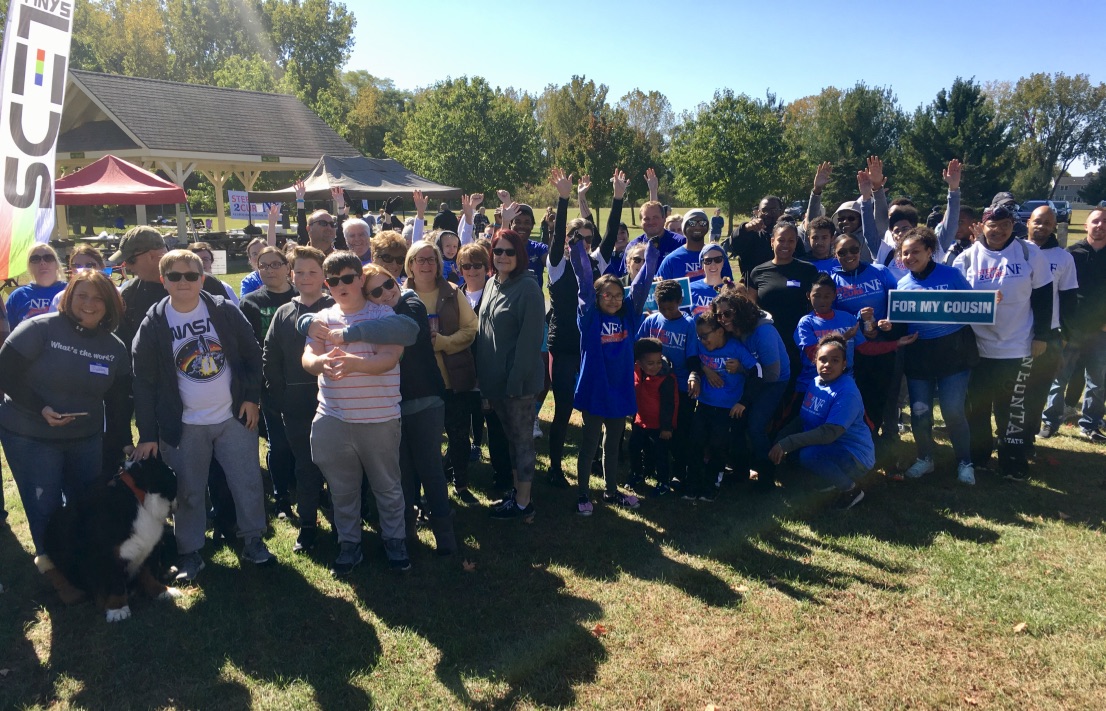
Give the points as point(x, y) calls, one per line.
point(32, 89)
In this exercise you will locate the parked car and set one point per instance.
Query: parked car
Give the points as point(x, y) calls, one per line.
point(1026, 208)
point(1063, 210)
point(796, 209)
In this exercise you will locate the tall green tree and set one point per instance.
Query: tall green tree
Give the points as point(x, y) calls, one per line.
point(1057, 119)
point(1095, 189)
point(959, 123)
point(645, 121)
point(377, 108)
point(461, 132)
point(729, 152)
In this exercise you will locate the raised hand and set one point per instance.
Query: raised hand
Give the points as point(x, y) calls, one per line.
point(274, 211)
point(583, 186)
point(652, 183)
point(875, 169)
point(338, 196)
point(976, 230)
point(621, 182)
point(951, 175)
point(562, 182)
point(301, 189)
point(864, 184)
point(476, 200)
point(504, 196)
point(508, 212)
point(420, 202)
point(822, 177)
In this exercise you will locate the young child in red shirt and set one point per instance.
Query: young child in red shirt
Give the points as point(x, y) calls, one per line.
point(657, 402)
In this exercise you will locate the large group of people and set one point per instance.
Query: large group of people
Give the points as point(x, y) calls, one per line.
point(358, 349)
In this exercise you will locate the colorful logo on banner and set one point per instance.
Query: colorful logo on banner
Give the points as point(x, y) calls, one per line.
point(31, 97)
point(942, 306)
point(242, 209)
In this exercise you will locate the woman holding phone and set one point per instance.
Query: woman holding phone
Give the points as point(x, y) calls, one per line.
point(64, 375)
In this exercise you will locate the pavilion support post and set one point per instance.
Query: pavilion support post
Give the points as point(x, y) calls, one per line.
point(61, 224)
point(178, 172)
point(218, 179)
point(140, 215)
point(248, 178)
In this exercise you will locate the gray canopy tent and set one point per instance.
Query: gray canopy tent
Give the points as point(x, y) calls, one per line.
point(362, 179)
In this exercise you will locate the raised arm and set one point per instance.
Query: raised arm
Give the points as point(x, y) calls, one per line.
point(875, 171)
point(585, 278)
point(582, 196)
point(420, 210)
point(301, 214)
point(654, 185)
point(563, 184)
point(821, 179)
point(872, 236)
point(270, 231)
point(614, 216)
point(639, 288)
point(946, 231)
point(469, 203)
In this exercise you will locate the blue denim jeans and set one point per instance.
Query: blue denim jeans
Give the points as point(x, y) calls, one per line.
point(45, 471)
point(1093, 348)
point(833, 463)
point(952, 391)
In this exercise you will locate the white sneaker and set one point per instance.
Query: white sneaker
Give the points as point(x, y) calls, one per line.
point(537, 430)
point(965, 474)
point(920, 468)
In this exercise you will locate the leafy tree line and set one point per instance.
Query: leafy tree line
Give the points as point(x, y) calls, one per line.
point(729, 151)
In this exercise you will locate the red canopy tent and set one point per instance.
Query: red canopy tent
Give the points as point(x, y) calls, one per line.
point(111, 181)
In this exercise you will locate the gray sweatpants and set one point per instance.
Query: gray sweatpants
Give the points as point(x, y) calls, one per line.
point(235, 447)
point(341, 450)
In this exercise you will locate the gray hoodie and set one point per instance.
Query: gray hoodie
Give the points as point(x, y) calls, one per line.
point(508, 341)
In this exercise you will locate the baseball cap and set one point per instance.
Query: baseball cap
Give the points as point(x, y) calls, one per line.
point(1001, 212)
point(137, 240)
point(1002, 199)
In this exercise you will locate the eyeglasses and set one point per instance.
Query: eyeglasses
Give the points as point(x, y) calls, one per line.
point(696, 221)
point(47, 258)
point(388, 258)
point(845, 251)
point(344, 279)
point(187, 276)
point(713, 260)
point(324, 223)
point(386, 286)
point(727, 314)
point(423, 261)
point(849, 217)
point(469, 267)
point(637, 260)
point(503, 251)
point(272, 265)
point(705, 336)
point(611, 296)
point(581, 235)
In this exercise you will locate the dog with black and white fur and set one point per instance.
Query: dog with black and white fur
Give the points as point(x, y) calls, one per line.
point(100, 546)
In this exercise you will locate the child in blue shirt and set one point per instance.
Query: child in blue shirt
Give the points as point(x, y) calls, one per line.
point(830, 433)
point(608, 321)
point(676, 332)
point(823, 320)
point(718, 422)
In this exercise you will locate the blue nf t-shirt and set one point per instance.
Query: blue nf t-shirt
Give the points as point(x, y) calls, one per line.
point(767, 346)
point(811, 328)
point(733, 384)
point(867, 287)
point(839, 403)
point(679, 339)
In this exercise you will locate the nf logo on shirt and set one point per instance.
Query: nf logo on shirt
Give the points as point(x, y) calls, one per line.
point(611, 332)
point(812, 403)
point(669, 338)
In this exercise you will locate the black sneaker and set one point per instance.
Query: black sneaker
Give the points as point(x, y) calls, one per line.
point(306, 540)
point(849, 499)
point(709, 494)
point(1046, 432)
point(661, 489)
point(467, 497)
point(1093, 435)
point(396, 551)
point(510, 510)
point(349, 557)
point(283, 509)
point(637, 481)
point(556, 479)
point(1015, 475)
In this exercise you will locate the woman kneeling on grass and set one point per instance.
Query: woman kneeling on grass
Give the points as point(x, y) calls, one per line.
point(830, 432)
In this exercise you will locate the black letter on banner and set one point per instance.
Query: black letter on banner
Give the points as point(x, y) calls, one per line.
point(36, 174)
point(33, 149)
point(20, 73)
point(57, 86)
point(28, 14)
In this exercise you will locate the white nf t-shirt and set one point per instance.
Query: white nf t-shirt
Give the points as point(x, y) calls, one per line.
point(1010, 272)
point(1062, 266)
point(203, 375)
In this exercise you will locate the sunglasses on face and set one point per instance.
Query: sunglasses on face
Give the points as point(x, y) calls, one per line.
point(333, 281)
point(271, 265)
point(701, 223)
point(324, 223)
point(845, 251)
point(177, 276)
point(469, 267)
point(503, 252)
point(637, 260)
point(388, 258)
point(727, 314)
point(849, 218)
point(46, 258)
point(386, 286)
point(713, 260)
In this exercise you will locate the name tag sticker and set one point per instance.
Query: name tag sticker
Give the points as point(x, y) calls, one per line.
point(793, 283)
point(98, 369)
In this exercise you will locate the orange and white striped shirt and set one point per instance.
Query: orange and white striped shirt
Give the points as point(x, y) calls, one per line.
point(358, 397)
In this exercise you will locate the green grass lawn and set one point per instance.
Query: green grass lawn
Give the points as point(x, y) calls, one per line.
point(928, 595)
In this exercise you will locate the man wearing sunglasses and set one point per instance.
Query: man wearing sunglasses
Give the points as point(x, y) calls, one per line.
point(684, 260)
point(197, 394)
point(321, 230)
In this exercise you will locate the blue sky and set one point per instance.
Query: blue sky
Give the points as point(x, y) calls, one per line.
point(793, 49)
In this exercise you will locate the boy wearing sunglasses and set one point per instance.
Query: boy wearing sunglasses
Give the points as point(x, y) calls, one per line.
point(197, 389)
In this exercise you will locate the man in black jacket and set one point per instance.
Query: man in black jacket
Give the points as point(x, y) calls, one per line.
point(197, 390)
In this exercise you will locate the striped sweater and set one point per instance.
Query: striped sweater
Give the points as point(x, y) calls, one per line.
point(358, 398)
